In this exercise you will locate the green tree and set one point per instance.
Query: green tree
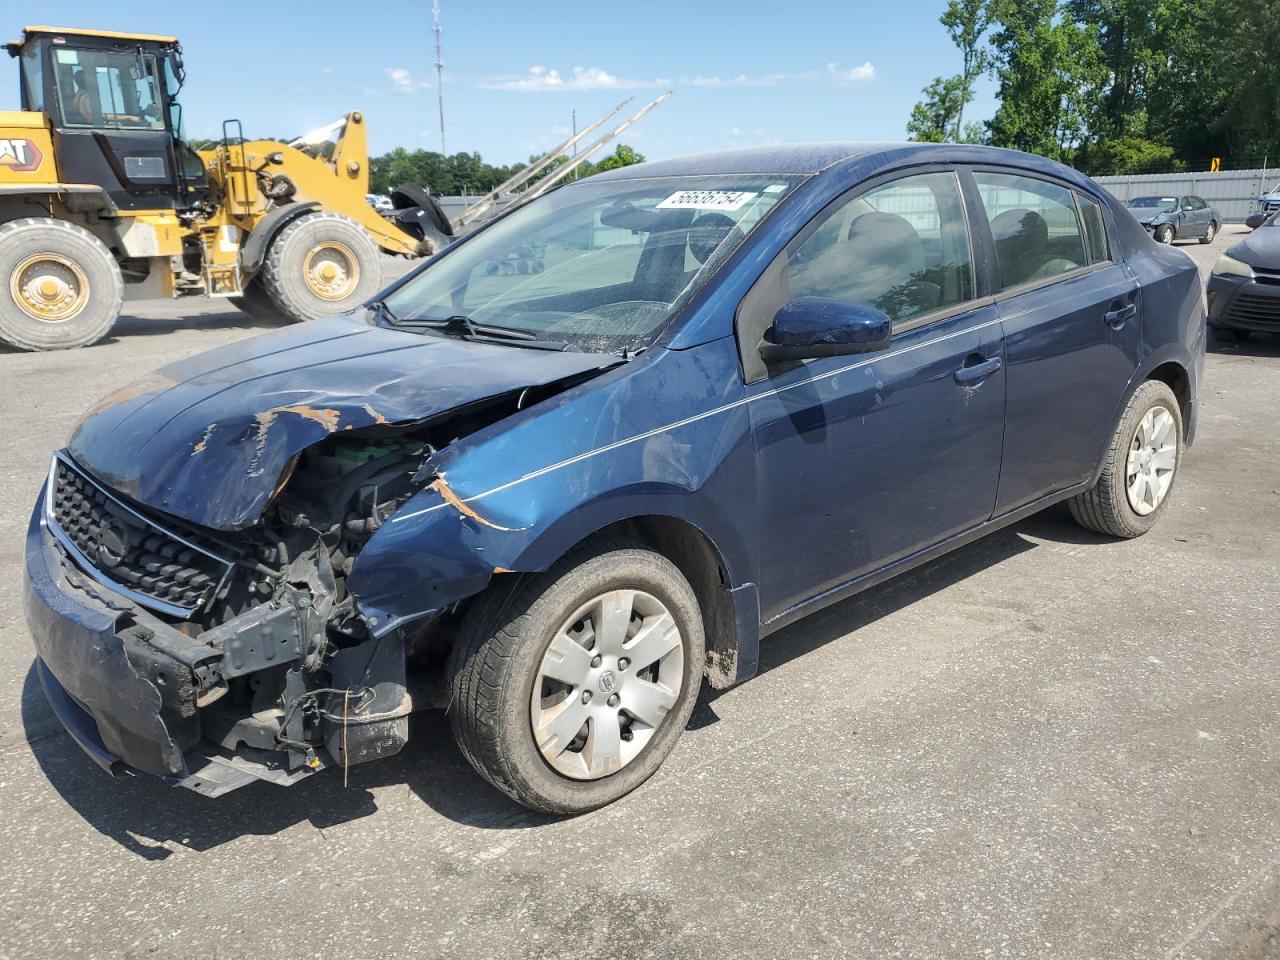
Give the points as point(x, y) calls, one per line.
point(940, 115)
point(1126, 155)
point(933, 119)
point(966, 22)
point(1050, 76)
point(622, 156)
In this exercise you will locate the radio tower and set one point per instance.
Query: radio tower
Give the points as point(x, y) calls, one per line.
point(435, 12)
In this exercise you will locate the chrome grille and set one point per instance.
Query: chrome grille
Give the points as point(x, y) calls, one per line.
point(126, 550)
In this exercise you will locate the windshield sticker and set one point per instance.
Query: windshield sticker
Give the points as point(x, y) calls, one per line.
point(706, 200)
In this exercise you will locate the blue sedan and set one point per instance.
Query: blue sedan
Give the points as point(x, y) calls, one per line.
point(725, 392)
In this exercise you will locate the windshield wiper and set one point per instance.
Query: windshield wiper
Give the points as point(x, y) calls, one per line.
point(380, 307)
point(480, 333)
point(461, 324)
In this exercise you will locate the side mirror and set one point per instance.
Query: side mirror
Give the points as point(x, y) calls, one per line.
point(808, 328)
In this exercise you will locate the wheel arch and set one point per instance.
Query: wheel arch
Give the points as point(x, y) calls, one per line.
point(441, 559)
point(705, 550)
point(730, 613)
point(255, 247)
point(1175, 376)
point(1172, 367)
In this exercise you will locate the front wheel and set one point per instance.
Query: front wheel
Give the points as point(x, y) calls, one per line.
point(319, 265)
point(1140, 466)
point(63, 287)
point(570, 687)
point(1210, 233)
point(1164, 233)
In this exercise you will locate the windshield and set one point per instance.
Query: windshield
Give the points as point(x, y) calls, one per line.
point(1160, 203)
point(599, 266)
point(108, 89)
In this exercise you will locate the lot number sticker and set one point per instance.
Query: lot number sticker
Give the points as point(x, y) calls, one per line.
point(706, 200)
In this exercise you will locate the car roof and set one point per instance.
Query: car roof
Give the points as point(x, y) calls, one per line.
point(807, 159)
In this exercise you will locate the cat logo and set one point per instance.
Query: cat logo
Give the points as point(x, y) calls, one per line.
point(19, 155)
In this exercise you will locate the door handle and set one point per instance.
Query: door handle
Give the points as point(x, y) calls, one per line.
point(967, 376)
point(1115, 319)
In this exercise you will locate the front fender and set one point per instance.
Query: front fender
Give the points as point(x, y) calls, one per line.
point(447, 543)
point(662, 440)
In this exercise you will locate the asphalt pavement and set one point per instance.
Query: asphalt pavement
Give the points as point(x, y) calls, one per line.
point(1046, 744)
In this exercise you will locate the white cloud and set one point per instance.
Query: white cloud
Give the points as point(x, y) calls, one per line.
point(403, 81)
point(861, 74)
point(746, 79)
point(541, 79)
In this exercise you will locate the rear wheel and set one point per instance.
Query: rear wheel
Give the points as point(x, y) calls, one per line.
point(1164, 233)
point(1210, 233)
point(61, 286)
point(569, 688)
point(319, 265)
point(256, 302)
point(1140, 467)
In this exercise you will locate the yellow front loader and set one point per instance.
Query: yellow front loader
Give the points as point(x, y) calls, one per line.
point(102, 199)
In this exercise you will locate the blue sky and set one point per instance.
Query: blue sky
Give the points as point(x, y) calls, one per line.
point(743, 72)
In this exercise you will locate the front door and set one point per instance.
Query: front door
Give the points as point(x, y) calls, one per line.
point(864, 460)
point(1072, 327)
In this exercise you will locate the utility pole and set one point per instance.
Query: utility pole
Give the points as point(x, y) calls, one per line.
point(435, 13)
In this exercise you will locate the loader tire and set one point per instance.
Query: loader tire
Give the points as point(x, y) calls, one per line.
point(59, 285)
point(319, 265)
point(256, 302)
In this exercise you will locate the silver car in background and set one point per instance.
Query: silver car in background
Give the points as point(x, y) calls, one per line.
point(1169, 218)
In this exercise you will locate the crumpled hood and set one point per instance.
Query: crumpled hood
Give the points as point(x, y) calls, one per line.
point(207, 438)
point(1261, 249)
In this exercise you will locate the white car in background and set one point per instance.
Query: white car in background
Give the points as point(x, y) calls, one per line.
point(380, 202)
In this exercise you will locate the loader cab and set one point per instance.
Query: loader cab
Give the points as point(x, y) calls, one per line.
point(112, 103)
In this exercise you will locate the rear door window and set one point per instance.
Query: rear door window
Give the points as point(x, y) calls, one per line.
point(1037, 231)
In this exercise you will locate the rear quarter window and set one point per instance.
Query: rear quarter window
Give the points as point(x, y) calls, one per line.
point(1095, 231)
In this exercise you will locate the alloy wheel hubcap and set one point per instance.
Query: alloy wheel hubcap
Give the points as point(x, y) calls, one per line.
point(1153, 456)
point(331, 270)
point(49, 287)
point(609, 677)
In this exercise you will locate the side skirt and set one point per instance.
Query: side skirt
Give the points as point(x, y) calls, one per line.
point(867, 580)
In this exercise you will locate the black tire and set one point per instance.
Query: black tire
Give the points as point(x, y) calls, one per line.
point(256, 302)
point(499, 651)
point(1165, 233)
point(283, 273)
point(409, 195)
point(1227, 335)
point(1210, 233)
point(1105, 507)
point(93, 283)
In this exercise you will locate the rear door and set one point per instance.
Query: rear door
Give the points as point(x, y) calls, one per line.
point(1202, 214)
point(1071, 316)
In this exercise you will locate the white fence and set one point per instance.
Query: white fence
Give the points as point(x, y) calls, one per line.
point(1233, 193)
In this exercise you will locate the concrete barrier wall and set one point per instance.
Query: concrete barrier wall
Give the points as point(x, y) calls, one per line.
point(1233, 193)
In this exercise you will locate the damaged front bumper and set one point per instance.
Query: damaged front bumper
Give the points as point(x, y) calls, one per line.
point(139, 695)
